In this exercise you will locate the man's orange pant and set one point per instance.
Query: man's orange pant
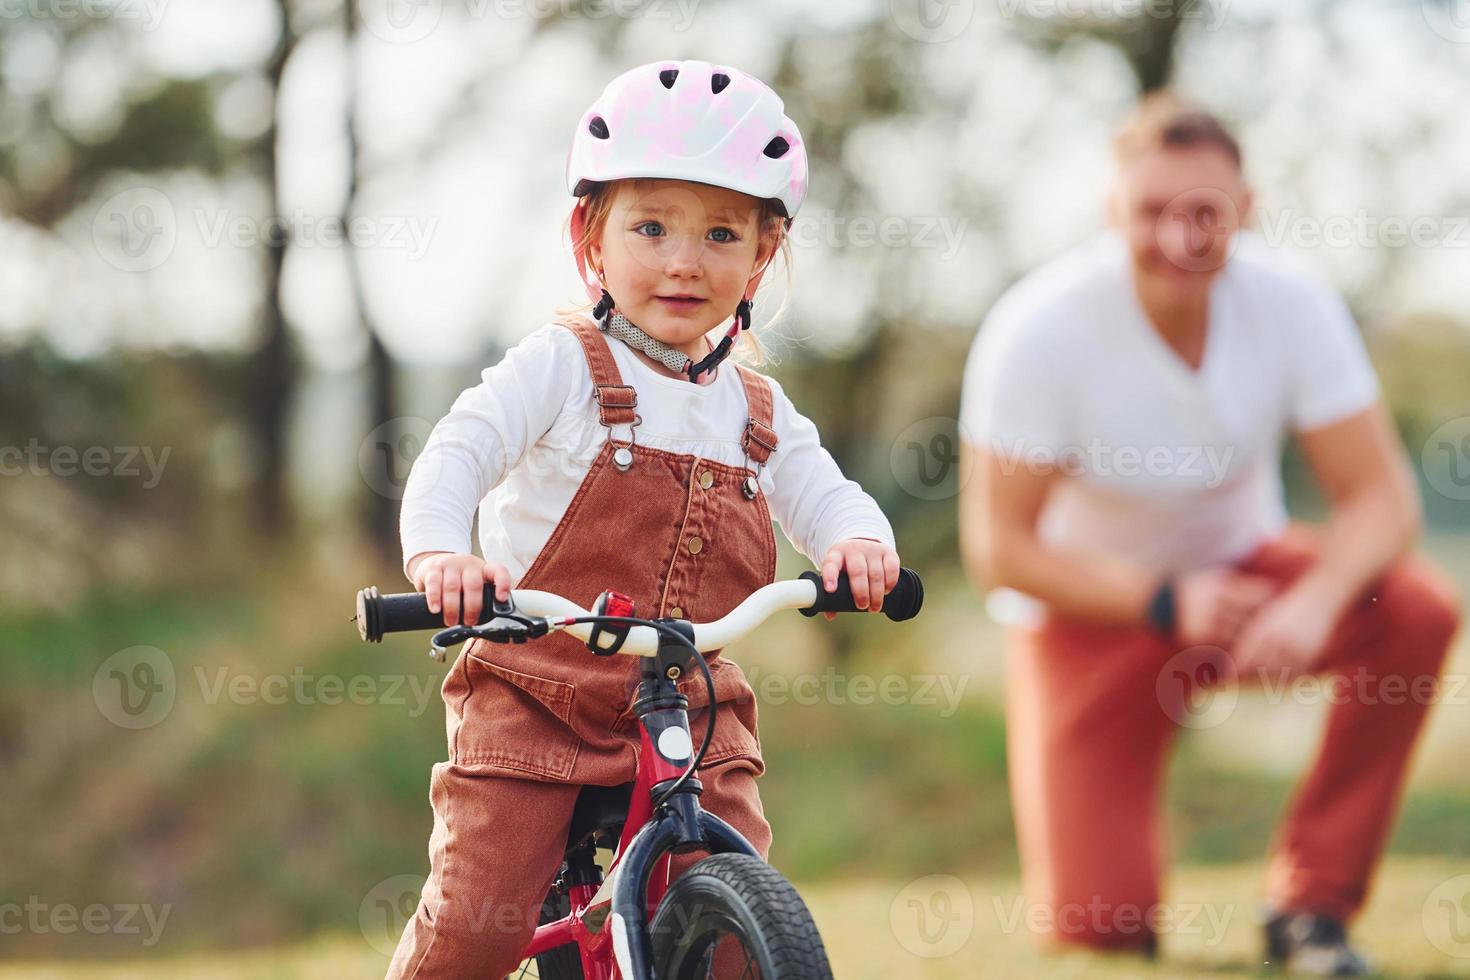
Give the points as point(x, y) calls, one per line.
point(1092, 711)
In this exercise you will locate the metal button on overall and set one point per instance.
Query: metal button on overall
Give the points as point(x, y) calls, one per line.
point(696, 545)
point(677, 612)
point(706, 479)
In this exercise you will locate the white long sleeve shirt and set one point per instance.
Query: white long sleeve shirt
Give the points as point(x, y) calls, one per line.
point(517, 445)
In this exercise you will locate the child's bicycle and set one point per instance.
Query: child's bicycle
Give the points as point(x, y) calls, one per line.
point(632, 925)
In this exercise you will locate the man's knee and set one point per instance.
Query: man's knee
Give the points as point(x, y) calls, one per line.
point(1418, 601)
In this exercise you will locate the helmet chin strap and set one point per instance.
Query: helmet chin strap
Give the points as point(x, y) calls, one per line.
point(612, 322)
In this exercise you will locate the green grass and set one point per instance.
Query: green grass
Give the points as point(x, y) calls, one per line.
point(263, 824)
point(870, 930)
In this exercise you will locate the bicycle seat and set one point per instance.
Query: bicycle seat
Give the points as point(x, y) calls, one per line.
point(600, 810)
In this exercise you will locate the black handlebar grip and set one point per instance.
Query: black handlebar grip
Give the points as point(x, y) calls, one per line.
point(904, 602)
point(378, 614)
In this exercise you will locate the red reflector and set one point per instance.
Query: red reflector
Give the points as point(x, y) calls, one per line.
point(618, 605)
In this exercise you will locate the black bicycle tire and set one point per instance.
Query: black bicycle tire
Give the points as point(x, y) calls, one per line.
point(778, 930)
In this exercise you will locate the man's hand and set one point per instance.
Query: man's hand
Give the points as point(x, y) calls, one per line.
point(872, 571)
point(1213, 604)
point(1291, 632)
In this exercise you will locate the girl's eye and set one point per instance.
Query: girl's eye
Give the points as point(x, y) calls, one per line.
point(723, 235)
point(644, 229)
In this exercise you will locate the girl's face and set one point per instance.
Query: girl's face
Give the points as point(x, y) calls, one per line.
point(679, 256)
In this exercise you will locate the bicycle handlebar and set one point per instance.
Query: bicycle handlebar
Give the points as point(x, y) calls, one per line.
point(378, 615)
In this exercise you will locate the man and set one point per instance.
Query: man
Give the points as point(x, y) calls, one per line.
point(1123, 412)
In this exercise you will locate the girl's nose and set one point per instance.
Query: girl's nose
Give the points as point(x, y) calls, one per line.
point(684, 256)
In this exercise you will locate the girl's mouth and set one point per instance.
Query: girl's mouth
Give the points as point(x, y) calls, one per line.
point(679, 302)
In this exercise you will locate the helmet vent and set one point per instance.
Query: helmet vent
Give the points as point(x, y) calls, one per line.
point(718, 81)
point(776, 148)
point(667, 76)
point(598, 127)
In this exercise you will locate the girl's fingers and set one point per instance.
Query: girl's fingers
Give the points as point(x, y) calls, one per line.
point(452, 584)
point(857, 579)
point(831, 568)
point(433, 581)
point(890, 571)
point(830, 616)
point(474, 594)
point(876, 591)
point(502, 583)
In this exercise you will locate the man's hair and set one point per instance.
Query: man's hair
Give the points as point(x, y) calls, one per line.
point(1162, 119)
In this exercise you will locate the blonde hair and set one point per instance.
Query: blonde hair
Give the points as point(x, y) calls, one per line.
point(589, 217)
point(1162, 119)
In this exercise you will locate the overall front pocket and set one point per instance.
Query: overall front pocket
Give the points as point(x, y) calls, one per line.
point(508, 722)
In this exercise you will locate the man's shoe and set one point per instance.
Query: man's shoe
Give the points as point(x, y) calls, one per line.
point(1314, 945)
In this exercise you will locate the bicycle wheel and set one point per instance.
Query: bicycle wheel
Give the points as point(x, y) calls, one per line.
point(734, 917)
point(560, 963)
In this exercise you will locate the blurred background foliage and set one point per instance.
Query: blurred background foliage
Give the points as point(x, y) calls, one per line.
point(291, 385)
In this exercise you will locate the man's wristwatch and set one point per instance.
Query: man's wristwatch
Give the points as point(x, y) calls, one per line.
point(1161, 611)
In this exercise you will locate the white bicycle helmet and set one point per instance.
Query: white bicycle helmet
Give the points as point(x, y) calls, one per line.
point(690, 120)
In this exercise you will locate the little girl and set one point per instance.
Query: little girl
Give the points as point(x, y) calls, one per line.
point(624, 452)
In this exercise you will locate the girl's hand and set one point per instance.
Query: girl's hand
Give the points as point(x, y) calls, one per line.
point(872, 571)
point(457, 582)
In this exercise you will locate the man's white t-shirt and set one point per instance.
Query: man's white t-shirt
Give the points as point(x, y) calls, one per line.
point(1173, 468)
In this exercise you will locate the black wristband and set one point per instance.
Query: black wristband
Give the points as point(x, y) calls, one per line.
point(1161, 608)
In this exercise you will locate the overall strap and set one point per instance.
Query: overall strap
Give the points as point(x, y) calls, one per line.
point(615, 400)
point(759, 440)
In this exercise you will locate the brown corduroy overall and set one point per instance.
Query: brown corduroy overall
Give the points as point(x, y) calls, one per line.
point(530, 724)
